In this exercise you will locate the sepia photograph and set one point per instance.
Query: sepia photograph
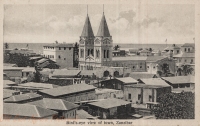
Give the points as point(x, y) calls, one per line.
point(99, 62)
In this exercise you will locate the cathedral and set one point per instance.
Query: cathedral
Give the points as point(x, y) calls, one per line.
point(95, 51)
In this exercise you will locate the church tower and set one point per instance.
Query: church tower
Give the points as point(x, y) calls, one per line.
point(103, 45)
point(86, 44)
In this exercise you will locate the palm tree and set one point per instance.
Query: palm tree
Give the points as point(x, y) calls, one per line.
point(179, 72)
point(6, 45)
point(164, 69)
point(187, 69)
point(116, 47)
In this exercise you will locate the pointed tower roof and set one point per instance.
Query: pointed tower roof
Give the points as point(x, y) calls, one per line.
point(103, 28)
point(87, 29)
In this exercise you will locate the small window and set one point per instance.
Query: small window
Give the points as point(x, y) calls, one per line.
point(188, 49)
point(64, 48)
point(139, 96)
point(148, 67)
point(133, 67)
point(129, 96)
point(177, 51)
point(185, 60)
point(150, 98)
point(64, 58)
point(191, 60)
point(69, 48)
point(59, 56)
point(154, 67)
point(185, 49)
point(140, 67)
point(59, 48)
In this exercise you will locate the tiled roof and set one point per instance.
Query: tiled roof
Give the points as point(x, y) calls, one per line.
point(127, 80)
point(103, 28)
point(179, 79)
point(155, 58)
point(81, 114)
point(65, 90)
point(109, 103)
point(38, 85)
point(60, 45)
point(26, 110)
point(154, 81)
point(55, 104)
point(129, 58)
point(22, 97)
point(140, 75)
point(105, 90)
point(188, 45)
point(87, 29)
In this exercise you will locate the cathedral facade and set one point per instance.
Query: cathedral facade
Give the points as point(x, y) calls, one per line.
point(95, 51)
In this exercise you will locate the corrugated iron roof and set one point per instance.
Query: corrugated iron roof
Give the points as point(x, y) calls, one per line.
point(38, 85)
point(65, 90)
point(26, 110)
point(180, 79)
point(127, 80)
point(22, 97)
point(55, 104)
point(109, 103)
point(154, 81)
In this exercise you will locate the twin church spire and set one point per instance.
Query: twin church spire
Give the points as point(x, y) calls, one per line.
point(102, 31)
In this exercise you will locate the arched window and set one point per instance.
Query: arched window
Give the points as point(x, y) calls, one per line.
point(82, 52)
point(107, 53)
point(104, 53)
point(88, 52)
point(97, 53)
point(92, 52)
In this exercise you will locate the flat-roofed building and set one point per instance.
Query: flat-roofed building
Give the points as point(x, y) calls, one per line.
point(71, 93)
point(118, 83)
point(135, 63)
point(65, 55)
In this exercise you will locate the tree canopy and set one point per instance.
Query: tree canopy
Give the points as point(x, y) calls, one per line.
point(175, 106)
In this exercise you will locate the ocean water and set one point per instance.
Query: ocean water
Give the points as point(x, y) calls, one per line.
point(38, 47)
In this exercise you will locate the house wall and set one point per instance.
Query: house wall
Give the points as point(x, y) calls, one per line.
point(187, 60)
point(66, 56)
point(71, 114)
point(61, 82)
point(153, 67)
point(134, 94)
point(134, 65)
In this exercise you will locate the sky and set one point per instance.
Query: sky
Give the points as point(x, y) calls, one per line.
point(136, 23)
